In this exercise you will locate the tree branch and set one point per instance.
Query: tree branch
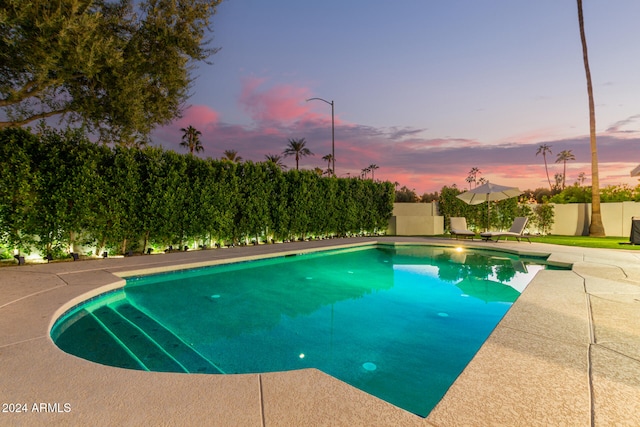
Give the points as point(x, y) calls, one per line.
point(29, 90)
point(29, 119)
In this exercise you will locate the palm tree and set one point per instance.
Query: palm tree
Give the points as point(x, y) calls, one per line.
point(364, 173)
point(328, 158)
point(191, 139)
point(372, 168)
point(232, 156)
point(596, 228)
point(558, 179)
point(275, 159)
point(469, 179)
point(297, 147)
point(545, 149)
point(473, 177)
point(564, 156)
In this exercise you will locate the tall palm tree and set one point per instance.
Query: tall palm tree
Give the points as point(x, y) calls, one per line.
point(372, 169)
point(328, 158)
point(473, 177)
point(469, 179)
point(275, 159)
point(232, 156)
point(545, 149)
point(365, 172)
point(596, 228)
point(191, 139)
point(297, 148)
point(564, 156)
point(582, 177)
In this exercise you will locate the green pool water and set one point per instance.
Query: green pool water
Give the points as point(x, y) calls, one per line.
point(400, 323)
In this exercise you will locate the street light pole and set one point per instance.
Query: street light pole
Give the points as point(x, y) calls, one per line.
point(333, 138)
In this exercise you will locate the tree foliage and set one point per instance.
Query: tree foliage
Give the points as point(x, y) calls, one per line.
point(572, 194)
point(543, 217)
point(62, 193)
point(577, 193)
point(119, 67)
point(406, 195)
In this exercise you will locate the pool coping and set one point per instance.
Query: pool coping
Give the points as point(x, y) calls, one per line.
point(568, 352)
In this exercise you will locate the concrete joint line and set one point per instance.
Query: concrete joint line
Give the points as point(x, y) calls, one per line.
point(262, 420)
point(592, 343)
point(602, 345)
point(32, 295)
point(23, 341)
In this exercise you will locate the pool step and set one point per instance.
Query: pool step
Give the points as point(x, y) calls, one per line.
point(184, 354)
point(89, 339)
point(137, 342)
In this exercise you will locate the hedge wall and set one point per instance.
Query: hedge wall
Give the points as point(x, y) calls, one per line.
point(60, 190)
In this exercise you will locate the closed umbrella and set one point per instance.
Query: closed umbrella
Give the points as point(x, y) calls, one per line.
point(488, 192)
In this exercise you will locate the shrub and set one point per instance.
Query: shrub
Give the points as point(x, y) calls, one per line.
point(543, 217)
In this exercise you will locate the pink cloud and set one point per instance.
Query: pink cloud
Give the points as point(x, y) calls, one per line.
point(530, 137)
point(279, 103)
point(279, 112)
point(201, 117)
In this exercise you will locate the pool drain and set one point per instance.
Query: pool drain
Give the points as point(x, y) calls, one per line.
point(368, 366)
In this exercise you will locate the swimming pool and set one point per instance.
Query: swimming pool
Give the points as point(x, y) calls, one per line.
point(400, 323)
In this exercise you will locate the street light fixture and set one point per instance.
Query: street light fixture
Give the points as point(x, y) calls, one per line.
point(333, 140)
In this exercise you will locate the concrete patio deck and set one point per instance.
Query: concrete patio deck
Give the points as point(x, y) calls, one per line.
point(567, 353)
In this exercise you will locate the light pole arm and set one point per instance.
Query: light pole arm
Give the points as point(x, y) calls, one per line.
point(320, 99)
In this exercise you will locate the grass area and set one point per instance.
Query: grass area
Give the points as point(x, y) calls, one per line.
point(587, 242)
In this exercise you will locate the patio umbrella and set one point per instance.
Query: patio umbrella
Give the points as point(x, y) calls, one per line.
point(488, 192)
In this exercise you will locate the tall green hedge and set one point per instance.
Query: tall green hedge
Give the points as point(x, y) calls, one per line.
point(60, 190)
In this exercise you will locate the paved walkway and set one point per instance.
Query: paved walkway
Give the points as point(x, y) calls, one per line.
point(567, 353)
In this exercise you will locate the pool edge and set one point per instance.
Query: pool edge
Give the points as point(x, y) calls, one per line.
point(104, 395)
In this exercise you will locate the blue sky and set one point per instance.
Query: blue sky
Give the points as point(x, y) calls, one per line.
point(424, 89)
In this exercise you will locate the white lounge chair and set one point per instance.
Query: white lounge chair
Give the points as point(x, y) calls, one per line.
point(516, 230)
point(459, 227)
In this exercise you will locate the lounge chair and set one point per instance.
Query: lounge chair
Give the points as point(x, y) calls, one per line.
point(459, 227)
point(516, 230)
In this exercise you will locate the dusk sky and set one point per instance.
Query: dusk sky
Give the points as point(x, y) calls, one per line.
point(424, 89)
